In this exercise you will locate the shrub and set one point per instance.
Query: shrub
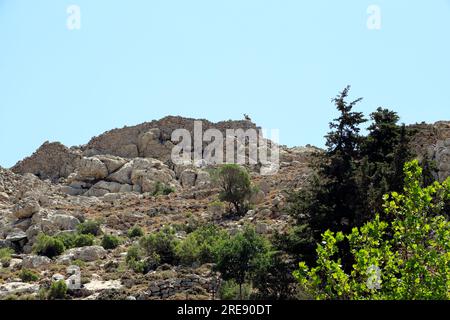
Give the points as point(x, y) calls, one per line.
point(236, 186)
point(135, 232)
point(138, 262)
point(162, 189)
point(28, 276)
point(48, 246)
point(89, 227)
point(57, 291)
point(201, 245)
point(110, 242)
point(73, 240)
point(5, 256)
point(162, 243)
point(84, 240)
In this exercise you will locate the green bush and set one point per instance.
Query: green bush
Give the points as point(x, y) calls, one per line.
point(137, 261)
point(74, 240)
point(135, 232)
point(90, 227)
point(5, 256)
point(84, 240)
point(57, 291)
point(28, 276)
point(110, 242)
point(48, 246)
point(201, 245)
point(162, 189)
point(162, 243)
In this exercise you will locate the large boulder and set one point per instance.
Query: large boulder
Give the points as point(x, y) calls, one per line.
point(91, 169)
point(123, 175)
point(103, 187)
point(112, 163)
point(64, 221)
point(188, 177)
point(86, 254)
point(25, 208)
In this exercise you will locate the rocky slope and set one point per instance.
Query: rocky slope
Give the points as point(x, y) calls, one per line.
point(113, 178)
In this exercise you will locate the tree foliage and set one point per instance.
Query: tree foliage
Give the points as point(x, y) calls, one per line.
point(236, 186)
point(406, 257)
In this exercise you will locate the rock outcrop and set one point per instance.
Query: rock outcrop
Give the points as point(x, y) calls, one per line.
point(433, 141)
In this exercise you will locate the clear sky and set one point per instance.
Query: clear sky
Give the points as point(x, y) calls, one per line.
point(280, 61)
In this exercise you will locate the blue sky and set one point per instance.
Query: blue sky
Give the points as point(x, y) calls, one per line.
point(280, 61)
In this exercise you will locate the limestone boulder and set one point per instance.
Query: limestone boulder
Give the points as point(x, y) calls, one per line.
point(26, 208)
point(91, 169)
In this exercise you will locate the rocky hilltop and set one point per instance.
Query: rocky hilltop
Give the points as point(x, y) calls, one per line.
point(115, 179)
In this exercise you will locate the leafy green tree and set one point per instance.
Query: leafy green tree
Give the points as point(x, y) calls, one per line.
point(236, 186)
point(404, 258)
point(274, 279)
point(239, 257)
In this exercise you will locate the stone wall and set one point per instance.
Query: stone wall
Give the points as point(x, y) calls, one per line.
point(166, 288)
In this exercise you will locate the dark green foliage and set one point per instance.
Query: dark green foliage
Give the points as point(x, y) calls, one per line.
point(75, 240)
point(239, 257)
point(28, 276)
point(230, 290)
point(89, 227)
point(57, 291)
point(350, 178)
point(201, 245)
point(135, 232)
point(110, 242)
point(274, 279)
point(162, 243)
point(48, 246)
point(236, 186)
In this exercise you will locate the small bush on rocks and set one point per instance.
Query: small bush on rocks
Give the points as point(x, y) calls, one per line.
point(110, 242)
point(28, 276)
point(57, 291)
point(5, 256)
point(135, 232)
point(48, 246)
point(90, 227)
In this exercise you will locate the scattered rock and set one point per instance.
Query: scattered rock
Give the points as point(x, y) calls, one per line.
point(35, 262)
point(26, 208)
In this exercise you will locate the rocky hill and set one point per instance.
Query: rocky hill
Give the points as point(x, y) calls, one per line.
point(116, 178)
